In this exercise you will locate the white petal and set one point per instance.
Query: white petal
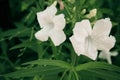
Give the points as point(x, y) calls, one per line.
point(52, 10)
point(90, 48)
point(102, 27)
point(59, 22)
point(54, 3)
point(45, 17)
point(83, 47)
point(104, 43)
point(57, 36)
point(102, 55)
point(42, 35)
point(114, 53)
point(82, 28)
point(81, 31)
point(78, 45)
point(106, 55)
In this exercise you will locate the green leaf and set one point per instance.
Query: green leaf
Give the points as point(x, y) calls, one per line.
point(27, 43)
point(21, 45)
point(107, 11)
point(42, 70)
point(105, 74)
point(51, 77)
point(79, 2)
point(97, 65)
point(25, 4)
point(30, 17)
point(59, 63)
point(98, 70)
point(96, 74)
point(18, 32)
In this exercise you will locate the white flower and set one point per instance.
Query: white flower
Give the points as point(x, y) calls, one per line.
point(87, 41)
point(52, 26)
point(106, 55)
point(92, 13)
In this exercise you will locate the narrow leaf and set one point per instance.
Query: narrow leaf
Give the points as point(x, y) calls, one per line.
point(45, 70)
point(97, 65)
point(50, 62)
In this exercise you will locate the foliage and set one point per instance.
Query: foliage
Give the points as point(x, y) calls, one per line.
point(25, 58)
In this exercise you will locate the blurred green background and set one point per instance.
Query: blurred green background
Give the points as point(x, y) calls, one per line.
point(18, 23)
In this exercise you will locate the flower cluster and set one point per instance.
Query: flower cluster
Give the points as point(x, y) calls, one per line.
point(85, 39)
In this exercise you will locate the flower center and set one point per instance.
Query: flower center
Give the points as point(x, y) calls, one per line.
point(88, 43)
point(51, 25)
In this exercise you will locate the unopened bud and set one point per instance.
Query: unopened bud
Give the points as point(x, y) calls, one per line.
point(61, 4)
point(74, 8)
point(92, 13)
point(83, 11)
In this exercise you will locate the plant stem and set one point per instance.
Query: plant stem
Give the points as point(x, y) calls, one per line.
point(73, 57)
point(63, 74)
point(76, 75)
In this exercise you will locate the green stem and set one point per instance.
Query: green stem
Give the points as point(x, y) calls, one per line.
point(63, 74)
point(40, 55)
point(54, 49)
point(73, 57)
point(70, 75)
point(76, 75)
point(31, 35)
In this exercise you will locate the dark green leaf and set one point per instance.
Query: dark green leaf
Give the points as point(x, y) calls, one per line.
point(25, 4)
point(98, 70)
point(43, 70)
point(18, 32)
point(50, 62)
point(97, 65)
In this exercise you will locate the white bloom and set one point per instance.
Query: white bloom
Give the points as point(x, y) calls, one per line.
point(92, 13)
point(107, 55)
point(52, 26)
point(87, 41)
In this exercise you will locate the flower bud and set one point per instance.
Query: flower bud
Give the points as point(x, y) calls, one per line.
point(83, 11)
point(61, 4)
point(92, 13)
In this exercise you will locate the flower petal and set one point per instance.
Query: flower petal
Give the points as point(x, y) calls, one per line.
point(82, 28)
point(102, 27)
point(78, 45)
point(52, 10)
point(81, 31)
point(45, 17)
point(83, 47)
point(59, 22)
point(106, 55)
point(114, 53)
point(104, 43)
point(42, 35)
point(57, 36)
point(90, 48)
